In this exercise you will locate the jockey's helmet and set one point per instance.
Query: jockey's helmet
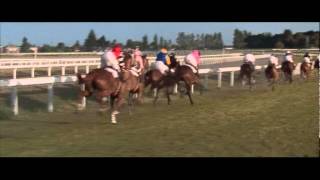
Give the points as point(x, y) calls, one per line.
point(164, 50)
point(117, 50)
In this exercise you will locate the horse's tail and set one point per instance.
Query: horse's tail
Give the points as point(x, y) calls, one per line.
point(87, 81)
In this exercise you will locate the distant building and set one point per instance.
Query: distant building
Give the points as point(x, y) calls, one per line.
point(228, 47)
point(11, 49)
point(34, 49)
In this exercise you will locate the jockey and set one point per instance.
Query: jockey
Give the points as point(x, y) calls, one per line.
point(162, 61)
point(273, 60)
point(193, 59)
point(306, 58)
point(249, 59)
point(139, 62)
point(288, 57)
point(110, 60)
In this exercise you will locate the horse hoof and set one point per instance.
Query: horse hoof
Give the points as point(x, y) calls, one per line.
point(115, 112)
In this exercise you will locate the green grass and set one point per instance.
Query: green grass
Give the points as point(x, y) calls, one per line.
point(225, 122)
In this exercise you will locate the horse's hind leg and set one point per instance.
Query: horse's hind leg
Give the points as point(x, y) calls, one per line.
point(188, 86)
point(130, 102)
point(156, 96)
point(290, 78)
point(168, 95)
point(140, 94)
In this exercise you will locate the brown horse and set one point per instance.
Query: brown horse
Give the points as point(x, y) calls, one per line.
point(185, 74)
point(247, 70)
point(288, 68)
point(316, 64)
point(272, 75)
point(305, 70)
point(158, 81)
point(106, 85)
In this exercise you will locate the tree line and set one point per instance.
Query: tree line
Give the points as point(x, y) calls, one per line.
point(287, 39)
point(188, 41)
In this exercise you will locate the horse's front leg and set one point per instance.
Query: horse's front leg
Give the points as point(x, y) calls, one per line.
point(119, 102)
point(102, 98)
point(156, 96)
point(130, 102)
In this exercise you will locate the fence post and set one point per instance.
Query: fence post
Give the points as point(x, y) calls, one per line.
point(49, 71)
point(232, 78)
point(32, 72)
point(50, 98)
point(76, 69)
point(219, 79)
point(15, 73)
point(14, 100)
point(87, 69)
point(83, 102)
point(63, 70)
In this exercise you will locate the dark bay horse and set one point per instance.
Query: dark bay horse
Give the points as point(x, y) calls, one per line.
point(159, 81)
point(272, 75)
point(104, 84)
point(247, 70)
point(288, 68)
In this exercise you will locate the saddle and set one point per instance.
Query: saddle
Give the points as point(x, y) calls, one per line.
point(193, 68)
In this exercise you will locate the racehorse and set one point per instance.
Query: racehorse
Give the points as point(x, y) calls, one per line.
point(247, 70)
point(305, 70)
point(104, 84)
point(158, 81)
point(185, 73)
point(287, 68)
point(272, 75)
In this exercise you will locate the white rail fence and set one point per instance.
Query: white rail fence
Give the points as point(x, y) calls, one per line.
point(51, 81)
point(63, 63)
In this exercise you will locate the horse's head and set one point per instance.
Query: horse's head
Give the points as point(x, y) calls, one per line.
point(127, 60)
point(145, 61)
point(174, 63)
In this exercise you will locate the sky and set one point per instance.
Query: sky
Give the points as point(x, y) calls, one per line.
point(52, 33)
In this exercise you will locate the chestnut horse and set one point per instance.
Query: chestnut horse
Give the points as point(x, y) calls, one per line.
point(104, 84)
point(272, 75)
point(288, 68)
point(305, 70)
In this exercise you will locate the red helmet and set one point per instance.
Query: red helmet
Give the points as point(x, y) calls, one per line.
point(117, 50)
